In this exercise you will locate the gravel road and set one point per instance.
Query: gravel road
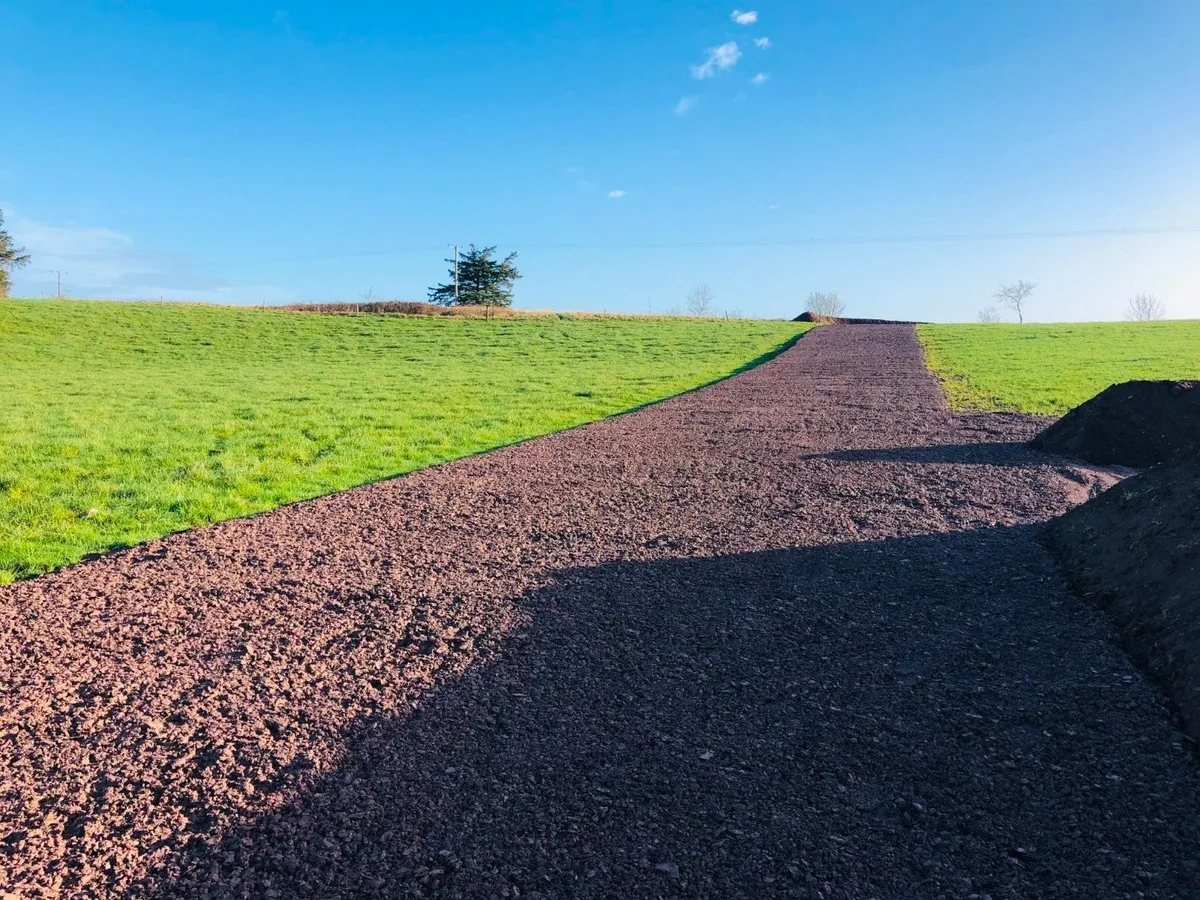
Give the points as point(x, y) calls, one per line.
point(792, 635)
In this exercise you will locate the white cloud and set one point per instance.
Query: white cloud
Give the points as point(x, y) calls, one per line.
point(685, 106)
point(762, 43)
point(719, 59)
point(616, 195)
point(744, 18)
point(760, 78)
point(68, 241)
point(100, 262)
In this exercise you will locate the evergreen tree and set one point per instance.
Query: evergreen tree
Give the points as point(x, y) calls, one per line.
point(11, 257)
point(483, 280)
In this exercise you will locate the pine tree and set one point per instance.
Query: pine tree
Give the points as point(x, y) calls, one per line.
point(482, 280)
point(11, 257)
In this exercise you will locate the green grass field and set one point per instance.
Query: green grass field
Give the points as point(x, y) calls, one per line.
point(125, 422)
point(1048, 369)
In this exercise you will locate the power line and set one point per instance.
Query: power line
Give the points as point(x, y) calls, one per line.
point(799, 242)
point(881, 239)
point(736, 244)
point(350, 254)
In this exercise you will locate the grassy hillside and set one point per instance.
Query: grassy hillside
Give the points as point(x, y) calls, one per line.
point(124, 422)
point(1047, 369)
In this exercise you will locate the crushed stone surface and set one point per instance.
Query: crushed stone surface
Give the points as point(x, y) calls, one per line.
point(791, 635)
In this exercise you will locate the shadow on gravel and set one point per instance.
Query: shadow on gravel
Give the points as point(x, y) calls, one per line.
point(920, 717)
point(982, 454)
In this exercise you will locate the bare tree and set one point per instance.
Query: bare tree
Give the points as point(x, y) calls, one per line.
point(368, 297)
point(1014, 297)
point(735, 313)
point(1145, 307)
point(989, 315)
point(825, 303)
point(700, 300)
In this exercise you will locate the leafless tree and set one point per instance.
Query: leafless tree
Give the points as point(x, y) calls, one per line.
point(989, 315)
point(733, 314)
point(1145, 307)
point(1014, 296)
point(825, 303)
point(368, 297)
point(700, 300)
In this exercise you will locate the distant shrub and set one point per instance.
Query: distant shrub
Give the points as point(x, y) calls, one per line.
point(826, 305)
point(390, 307)
point(700, 301)
point(1145, 308)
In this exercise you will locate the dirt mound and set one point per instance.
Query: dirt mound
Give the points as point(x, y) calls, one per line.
point(1136, 550)
point(834, 320)
point(1138, 424)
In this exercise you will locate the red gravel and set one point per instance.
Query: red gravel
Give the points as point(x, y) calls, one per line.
point(792, 635)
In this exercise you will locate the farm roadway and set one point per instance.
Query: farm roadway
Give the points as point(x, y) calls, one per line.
point(792, 635)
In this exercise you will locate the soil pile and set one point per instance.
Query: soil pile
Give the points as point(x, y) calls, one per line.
point(836, 320)
point(1136, 550)
point(1138, 424)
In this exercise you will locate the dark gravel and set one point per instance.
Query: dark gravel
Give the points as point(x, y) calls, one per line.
point(792, 635)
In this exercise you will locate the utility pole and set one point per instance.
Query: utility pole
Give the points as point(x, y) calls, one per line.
point(456, 274)
point(60, 275)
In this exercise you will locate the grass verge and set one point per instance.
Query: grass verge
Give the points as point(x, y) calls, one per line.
point(123, 422)
point(1048, 369)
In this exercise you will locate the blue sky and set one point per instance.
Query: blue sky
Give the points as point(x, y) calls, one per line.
point(293, 151)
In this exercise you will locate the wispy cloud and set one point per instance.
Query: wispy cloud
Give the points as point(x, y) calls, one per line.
point(616, 195)
point(744, 18)
point(762, 43)
point(760, 78)
point(101, 262)
point(685, 106)
point(69, 242)
point(720, 59)
point(283, 22)
point(581, 179)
